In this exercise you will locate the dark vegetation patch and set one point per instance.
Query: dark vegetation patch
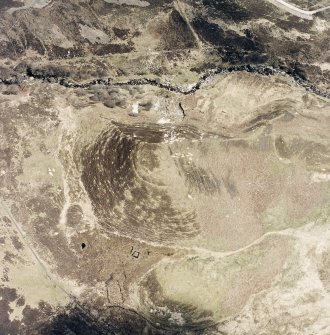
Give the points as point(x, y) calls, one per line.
point(228, 9)
point(232, 47)
point(177, 34)
point(297, 70)
point(11, 49)
point(113, 320)
point(78, 320)
point(20, 301)
point(121, 33)
point(47, 72)
point(242, 11)
point(55, 51)
point(7, 295)
point(32, 317)
point(31, 41)
point(6, 220)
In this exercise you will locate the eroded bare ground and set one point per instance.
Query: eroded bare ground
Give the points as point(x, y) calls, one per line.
point(145, 189)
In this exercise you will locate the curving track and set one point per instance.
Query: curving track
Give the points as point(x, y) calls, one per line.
point(304, 14)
